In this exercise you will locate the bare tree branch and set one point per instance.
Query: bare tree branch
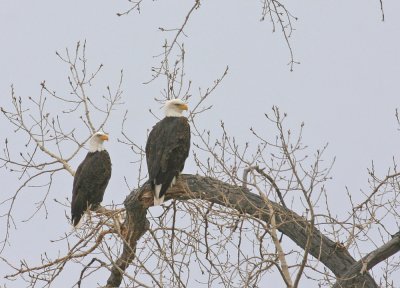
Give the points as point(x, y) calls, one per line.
point(354, 275)
point(383, 13)
point(189, 187)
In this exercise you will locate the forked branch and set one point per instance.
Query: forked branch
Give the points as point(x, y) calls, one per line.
point(190, 187)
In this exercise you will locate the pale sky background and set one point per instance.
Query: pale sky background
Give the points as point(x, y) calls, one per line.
point(346, 88)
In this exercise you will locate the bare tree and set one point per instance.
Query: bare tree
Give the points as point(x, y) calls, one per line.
point(253, 210)
point(233, 211)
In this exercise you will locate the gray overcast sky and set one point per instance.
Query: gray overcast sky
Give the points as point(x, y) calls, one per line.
point(346, 88)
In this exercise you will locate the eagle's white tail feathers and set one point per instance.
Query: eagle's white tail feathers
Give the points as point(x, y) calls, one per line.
point(157, 199)
point(79, 225)
point(157, 189)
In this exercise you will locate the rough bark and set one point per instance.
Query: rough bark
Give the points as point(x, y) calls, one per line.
point(331, 254)
point(135, 225)
point(353, 277)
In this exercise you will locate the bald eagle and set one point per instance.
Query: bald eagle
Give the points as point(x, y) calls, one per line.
point(167, 149)
point(91, 178)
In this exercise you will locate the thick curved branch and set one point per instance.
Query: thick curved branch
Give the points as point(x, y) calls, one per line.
point(352, 277)
point(334, 256)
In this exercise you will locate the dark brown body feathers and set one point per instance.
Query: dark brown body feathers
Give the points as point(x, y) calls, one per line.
point(166, 150)
point(90, 182)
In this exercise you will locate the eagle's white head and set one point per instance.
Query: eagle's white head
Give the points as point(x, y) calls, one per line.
point(96, 141)
point(175, 107)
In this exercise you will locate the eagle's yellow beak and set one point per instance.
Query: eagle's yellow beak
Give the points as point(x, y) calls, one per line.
point(104, 137)
point(183, 106)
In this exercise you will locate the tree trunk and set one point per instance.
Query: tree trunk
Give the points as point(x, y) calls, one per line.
point(334, 256)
